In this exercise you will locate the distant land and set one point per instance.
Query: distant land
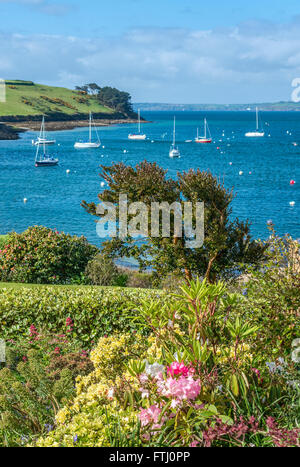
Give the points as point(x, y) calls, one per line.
point(26, 103)
point(271, 107)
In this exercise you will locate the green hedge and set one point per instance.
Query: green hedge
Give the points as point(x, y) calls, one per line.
point(94, 311)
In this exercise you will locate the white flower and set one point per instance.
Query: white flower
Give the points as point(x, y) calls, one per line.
point(110, 393)
point(296, 355)
point(154, 370)
point(296, 343)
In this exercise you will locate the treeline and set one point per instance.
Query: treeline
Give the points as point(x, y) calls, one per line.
point(119, 101)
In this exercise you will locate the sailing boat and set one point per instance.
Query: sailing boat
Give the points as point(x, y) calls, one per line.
point(89, 143)
point(205, 138)
point(257, 133)
point(138, 136)
point(42, 139)
point(43, 159)
point(174, 151)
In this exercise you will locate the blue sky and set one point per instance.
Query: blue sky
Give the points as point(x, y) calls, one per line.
point(180, 51)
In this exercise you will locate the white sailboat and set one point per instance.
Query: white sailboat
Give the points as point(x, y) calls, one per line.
point(207, 135)
point(174, 151)
point(257, 133)
point(89, 143)
point(42, 138)
point(139, 135)
point(42, 159)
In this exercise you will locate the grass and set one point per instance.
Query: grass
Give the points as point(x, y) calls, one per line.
point(17, 285)
point(26, 99)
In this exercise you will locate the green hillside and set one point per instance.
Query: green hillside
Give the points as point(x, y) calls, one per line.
point(28, 99)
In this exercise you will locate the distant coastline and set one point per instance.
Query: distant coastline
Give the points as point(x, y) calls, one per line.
point(269, 107)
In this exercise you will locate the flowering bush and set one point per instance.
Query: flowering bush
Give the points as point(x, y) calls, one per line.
point(44, 256)
point(192, 382)
point(37, 381)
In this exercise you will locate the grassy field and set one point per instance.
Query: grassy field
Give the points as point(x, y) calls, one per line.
point(29, 99)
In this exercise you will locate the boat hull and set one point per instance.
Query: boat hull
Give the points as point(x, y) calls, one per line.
point(174, 153)
point(255, 134)
point(46, 163)
point(203, 141)
point(86, 145)
point(41, 143)
point(137, 137)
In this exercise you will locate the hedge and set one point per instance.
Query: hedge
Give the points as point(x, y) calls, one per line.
point(95, 312)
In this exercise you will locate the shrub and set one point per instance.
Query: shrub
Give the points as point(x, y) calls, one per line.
point(273, 297)
point(193, 382)
point(136, 279)
point(38, 380)
point(94, 311)
point(4, 240)
point(102, 270)
point(41, 255)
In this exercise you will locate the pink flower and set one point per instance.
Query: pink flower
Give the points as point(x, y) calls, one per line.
point(33, 330)
point(194, 444)
point(57, 350)
point(181, 389)
point(177, 369)
point(150, 416)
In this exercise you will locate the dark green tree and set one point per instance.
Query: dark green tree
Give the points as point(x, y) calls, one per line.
point(227, 243)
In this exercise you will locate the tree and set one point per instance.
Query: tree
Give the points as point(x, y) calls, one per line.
point(227, 243)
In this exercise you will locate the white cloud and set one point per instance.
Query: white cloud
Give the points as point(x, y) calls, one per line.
point(252, 62)
point(43, 6)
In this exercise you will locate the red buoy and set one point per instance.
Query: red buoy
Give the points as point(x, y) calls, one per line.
point(292, 182)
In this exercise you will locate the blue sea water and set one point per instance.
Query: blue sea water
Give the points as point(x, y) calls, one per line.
point(54, 196)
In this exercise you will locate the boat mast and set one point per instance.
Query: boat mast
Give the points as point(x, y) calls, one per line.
point(139, 124)
point(256, 118)
point(205, 128)
point(174, 130)
point(90, 128)
point(44, 141)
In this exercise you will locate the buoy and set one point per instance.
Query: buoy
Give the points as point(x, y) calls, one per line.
point(292, 203)
point(102, 184)
point(250, 173)
point(218, 147)
point(103, 147)
point(68, 171)
point(292, 182)
point(25, 200)
point(241, 172)
point(230, 163)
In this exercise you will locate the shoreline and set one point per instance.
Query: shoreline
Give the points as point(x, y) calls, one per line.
point(12, 132)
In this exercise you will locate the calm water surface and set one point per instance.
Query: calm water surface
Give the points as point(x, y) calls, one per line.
point(54, 196)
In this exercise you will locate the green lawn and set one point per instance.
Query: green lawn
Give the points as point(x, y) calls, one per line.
point(37, 99)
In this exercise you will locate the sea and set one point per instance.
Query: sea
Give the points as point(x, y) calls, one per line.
point(261, 171)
